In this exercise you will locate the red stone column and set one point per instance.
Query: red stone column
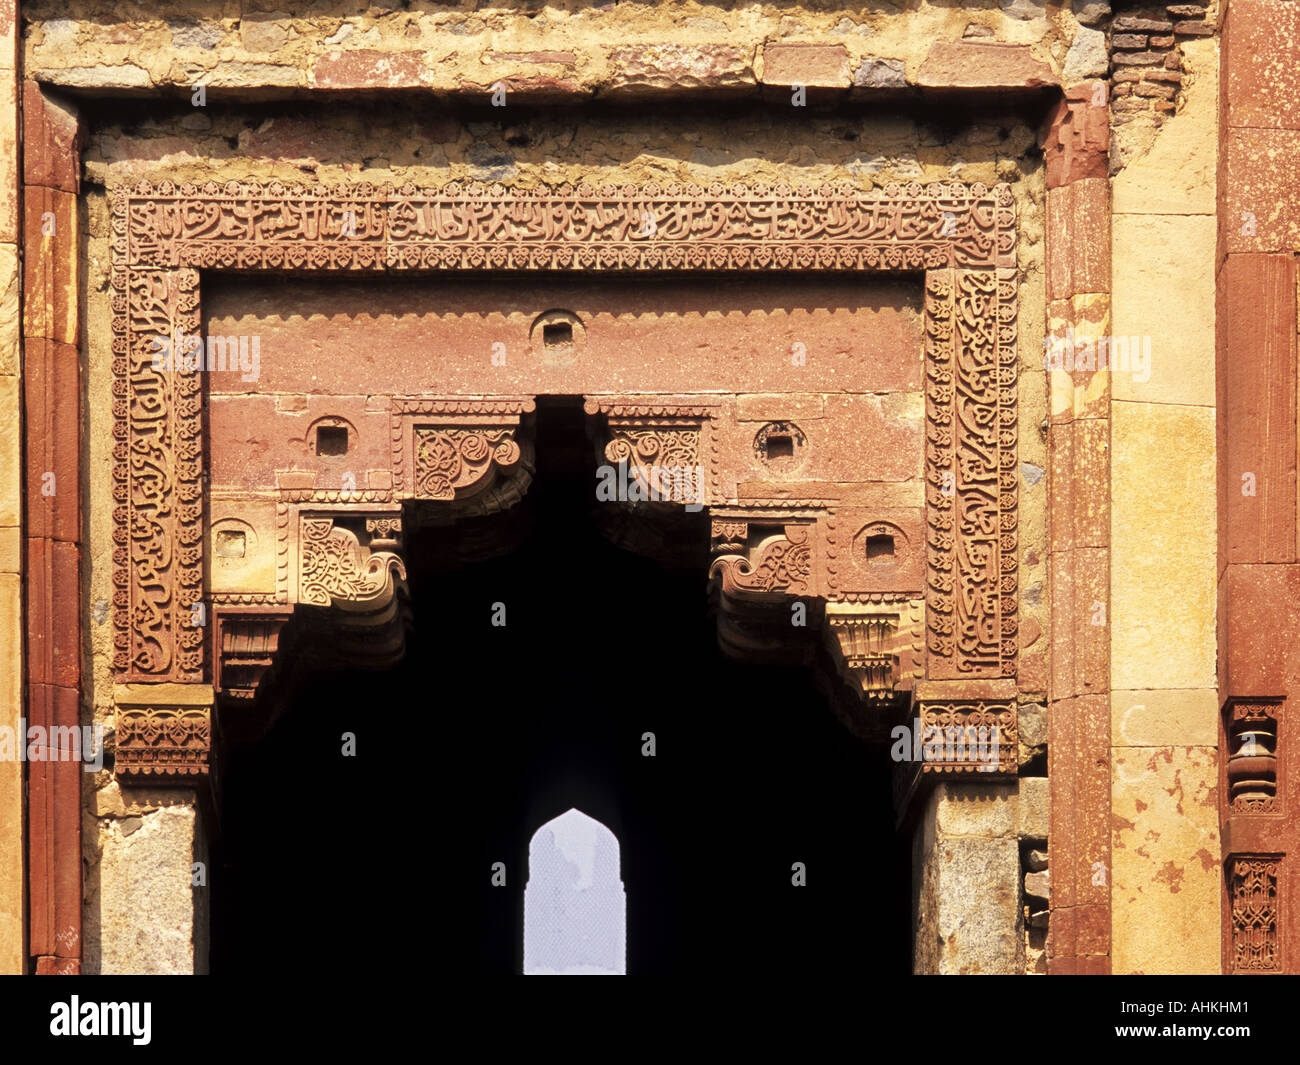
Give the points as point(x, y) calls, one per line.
point(1259, 579)
point(1076, 144)
point(51, 416)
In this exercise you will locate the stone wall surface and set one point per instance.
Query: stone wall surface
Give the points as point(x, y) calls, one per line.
point(352, 92)
point(552, 51)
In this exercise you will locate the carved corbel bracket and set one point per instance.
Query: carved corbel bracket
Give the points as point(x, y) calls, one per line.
point(864, 648)
point(777, 567)
point(473, 454)
point(334, 570)
point(764, 568)
point(666, 447)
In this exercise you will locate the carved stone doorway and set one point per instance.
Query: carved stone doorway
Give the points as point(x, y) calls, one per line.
point(481, 733)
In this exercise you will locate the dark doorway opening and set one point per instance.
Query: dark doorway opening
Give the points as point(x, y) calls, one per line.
point(485, 732)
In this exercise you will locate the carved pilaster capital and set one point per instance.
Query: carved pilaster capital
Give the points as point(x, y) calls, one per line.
point(864, 648)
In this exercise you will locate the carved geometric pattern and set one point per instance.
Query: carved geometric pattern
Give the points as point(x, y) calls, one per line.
point(164, 234)
point(969, 733)
point(1253, 757)
point(451, 460)
point(971, 481)
point(1253, 887)
point(156, 742)
point(333, 566)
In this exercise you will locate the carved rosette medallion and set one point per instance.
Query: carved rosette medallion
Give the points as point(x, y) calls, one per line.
point(1253, 888)
point(162, 743)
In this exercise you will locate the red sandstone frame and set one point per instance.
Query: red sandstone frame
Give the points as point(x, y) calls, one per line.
point(963, 237)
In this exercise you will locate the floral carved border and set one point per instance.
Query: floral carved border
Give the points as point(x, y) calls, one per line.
point(962, 236)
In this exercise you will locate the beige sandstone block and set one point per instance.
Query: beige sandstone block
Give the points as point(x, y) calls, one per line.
point(1033, 808)
point(1163, 540)
point(11, 780)
point(1163, 276)
point(1161, 718)
point(1165, 860)
point(1177, 176)
point(9, 159)
point(11, 320)
point(11, 549)
point(10, 457)
point(163, 694)
point(975, 810)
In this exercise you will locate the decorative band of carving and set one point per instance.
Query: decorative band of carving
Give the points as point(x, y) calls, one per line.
point(645, 227)
point(464, 407)
point(157, 495)
point(163, 743)
point(971, 477)
point(1253, 887)
point(969, 737)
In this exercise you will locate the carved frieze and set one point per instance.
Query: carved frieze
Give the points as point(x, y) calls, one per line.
point(162, 743)
point(978, 736)
point(281, 227)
